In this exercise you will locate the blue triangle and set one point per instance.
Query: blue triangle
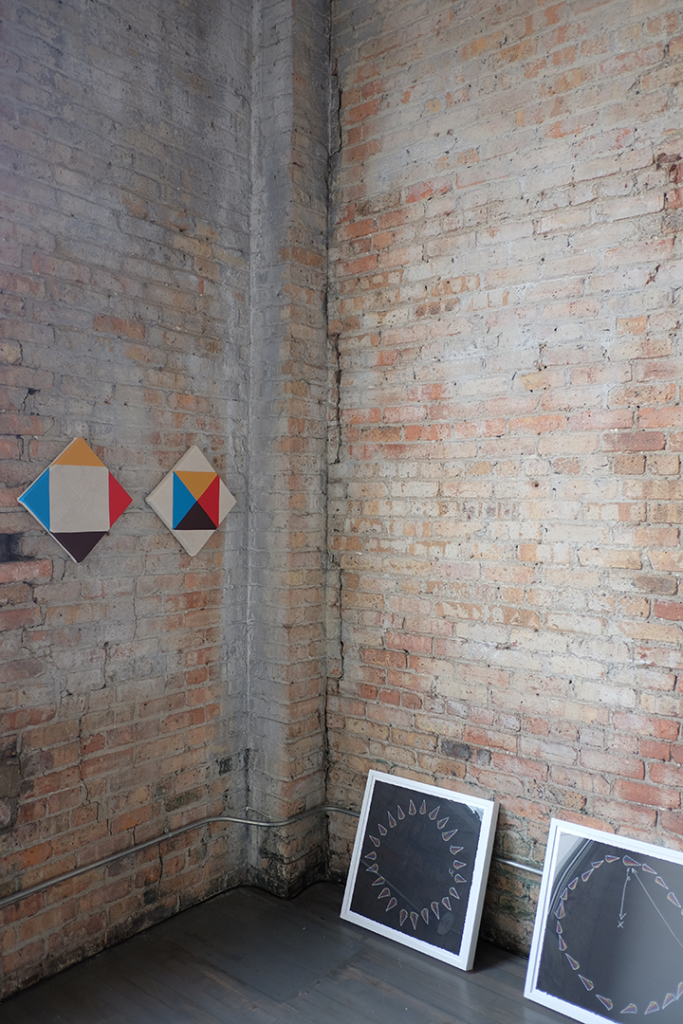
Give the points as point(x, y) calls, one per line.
point(183, 500)
point(37, 499)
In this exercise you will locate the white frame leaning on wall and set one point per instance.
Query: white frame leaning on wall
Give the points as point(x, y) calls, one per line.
point(420, 865)
point(608, 934)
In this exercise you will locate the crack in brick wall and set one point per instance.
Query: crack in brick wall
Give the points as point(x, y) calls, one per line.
point(505, 289)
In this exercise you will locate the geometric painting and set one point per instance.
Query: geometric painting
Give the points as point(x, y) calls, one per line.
point(608, 937)
point(76, 499)
point(419, 866)
point(192, 500)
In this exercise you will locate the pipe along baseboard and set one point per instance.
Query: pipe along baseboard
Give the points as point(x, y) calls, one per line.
point(14, 897)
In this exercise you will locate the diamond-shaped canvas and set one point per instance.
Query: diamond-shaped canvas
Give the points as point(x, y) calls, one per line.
point(76, 499)
point(192, 500)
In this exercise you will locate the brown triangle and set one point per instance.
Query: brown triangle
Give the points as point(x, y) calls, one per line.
point(79, 545)
point(196, 519)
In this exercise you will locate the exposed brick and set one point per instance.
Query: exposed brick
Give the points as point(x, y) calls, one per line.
point(123, 303)
point(35, 570)
point(534, 506)
point(490, 443)
point(668, 610)
point(119, 326)
point(641, 793)
point(635, 441)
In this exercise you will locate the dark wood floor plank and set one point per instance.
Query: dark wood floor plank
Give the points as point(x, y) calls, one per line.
point(187, 979)
point(214, 988)
point(247, 957)
point(362, 990)
point(88, 992)
point(334, 1008)
point(249, 1005)
point(269, 945)
point(124, 984)
point(478, 998)
point(442, 1006)
point(177, 1007)
point(14, 1014)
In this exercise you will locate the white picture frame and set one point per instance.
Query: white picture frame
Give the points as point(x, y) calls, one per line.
point(608, 934)
point(420, 865)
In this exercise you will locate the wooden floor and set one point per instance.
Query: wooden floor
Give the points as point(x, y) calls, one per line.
point(249, 957)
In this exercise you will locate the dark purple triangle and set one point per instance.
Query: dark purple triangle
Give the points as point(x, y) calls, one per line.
point(196, 519)
point(79, 544)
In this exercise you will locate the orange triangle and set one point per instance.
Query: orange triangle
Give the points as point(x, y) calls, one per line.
point(196, 483)
point(79, 453)
point(210, 500)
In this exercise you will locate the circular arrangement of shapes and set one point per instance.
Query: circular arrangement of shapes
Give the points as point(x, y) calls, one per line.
point(614, 935)
point(415, 868)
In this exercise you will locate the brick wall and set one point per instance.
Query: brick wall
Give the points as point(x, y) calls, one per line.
point(143, 690)
point(499, 484)
point(505, 499)
point(288, 422)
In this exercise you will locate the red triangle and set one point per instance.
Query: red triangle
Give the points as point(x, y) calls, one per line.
point(119, 500)
point(210, 499)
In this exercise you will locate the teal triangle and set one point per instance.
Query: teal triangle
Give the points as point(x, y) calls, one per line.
point(183, 500)
point(37, 499)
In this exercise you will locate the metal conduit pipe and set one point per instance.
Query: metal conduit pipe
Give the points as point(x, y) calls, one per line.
point(14, 897)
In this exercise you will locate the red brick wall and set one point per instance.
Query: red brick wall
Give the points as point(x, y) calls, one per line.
point(506, 500)
point(142, 689)
point(123, 284)
point(500, 595)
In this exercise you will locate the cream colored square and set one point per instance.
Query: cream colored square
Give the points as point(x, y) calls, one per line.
point(79, 499)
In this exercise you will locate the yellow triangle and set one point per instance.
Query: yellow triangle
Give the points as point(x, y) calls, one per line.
point(79, 453)
point(196, 483)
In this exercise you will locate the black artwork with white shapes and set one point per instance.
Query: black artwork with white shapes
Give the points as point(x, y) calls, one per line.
point(613, 941)
point(416, 864)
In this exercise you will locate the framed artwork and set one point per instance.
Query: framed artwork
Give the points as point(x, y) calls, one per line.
point(191, 500)
point(608, 936)
point(76, 499)
point(419, 866)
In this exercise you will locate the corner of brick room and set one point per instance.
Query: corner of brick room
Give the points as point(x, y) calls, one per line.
point(409, 275)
